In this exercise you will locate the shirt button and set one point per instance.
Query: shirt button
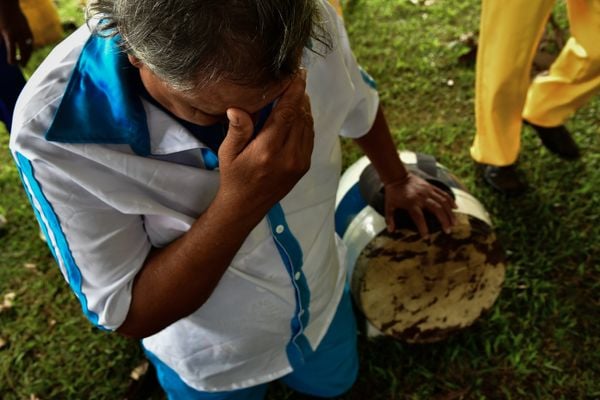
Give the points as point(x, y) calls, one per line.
point(279, 229)
point(297, 276)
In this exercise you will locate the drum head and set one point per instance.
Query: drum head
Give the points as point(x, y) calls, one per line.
point(422, 290)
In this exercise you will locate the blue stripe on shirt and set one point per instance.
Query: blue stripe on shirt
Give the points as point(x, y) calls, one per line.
point(291, 254)
point(73, 273)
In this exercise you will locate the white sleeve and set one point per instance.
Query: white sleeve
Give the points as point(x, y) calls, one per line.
point(366, 99)
point(99, 249)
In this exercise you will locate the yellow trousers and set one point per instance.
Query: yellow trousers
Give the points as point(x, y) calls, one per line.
point(43, 20)
point(504, 94)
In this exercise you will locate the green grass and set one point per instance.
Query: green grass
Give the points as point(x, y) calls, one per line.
point(540, 341)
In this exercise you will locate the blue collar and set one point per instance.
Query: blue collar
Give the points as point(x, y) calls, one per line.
point(101, 103)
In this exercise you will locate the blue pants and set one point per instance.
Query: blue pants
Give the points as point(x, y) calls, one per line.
point(330, 371)
point(11, 84)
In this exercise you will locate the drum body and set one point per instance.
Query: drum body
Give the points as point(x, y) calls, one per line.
point(415, 289)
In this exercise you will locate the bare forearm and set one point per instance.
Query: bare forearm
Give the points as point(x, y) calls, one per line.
point(403, 190)
point(176, 280)
point(378, 145)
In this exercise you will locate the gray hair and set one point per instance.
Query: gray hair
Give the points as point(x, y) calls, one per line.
point(188, 43)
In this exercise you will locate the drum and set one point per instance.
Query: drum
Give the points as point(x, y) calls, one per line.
point(414, 289)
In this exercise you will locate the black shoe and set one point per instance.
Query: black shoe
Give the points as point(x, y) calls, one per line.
point(506, 179)
point(558, 140)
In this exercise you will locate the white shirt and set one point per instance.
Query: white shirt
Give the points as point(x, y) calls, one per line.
point(106, 191)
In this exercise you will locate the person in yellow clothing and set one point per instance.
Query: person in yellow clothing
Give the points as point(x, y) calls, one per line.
point(504, 96)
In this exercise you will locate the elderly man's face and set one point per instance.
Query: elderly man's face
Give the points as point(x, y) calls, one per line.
point(208, 105)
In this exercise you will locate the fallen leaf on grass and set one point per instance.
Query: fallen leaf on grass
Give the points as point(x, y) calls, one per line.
point(8, 301)
point(30, 266)
point(468, 38)
point(425, 3)
point(3, 343)
point(139, 371)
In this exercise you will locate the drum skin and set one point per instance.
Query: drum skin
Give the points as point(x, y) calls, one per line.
point(421, 290)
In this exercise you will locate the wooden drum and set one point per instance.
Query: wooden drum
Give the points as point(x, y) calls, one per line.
point(414, 289)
